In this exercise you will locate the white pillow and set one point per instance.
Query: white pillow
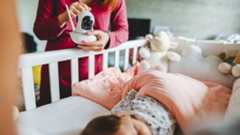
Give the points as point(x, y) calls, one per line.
point(25, 131)
point(209, 47)
point(195, 65)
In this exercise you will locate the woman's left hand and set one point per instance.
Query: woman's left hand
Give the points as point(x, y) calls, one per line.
point(99, 45)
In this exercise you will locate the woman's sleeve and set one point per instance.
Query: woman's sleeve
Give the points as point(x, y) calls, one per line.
point(119, 21)
point(46, 25)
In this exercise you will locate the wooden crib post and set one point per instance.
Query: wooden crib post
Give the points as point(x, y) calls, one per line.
point(126, 59)
point(74, 71)
point(28, 88)
point(105, 60)
point(117, 58)
point(91, 65)
point(54, 82)
point(135, 50)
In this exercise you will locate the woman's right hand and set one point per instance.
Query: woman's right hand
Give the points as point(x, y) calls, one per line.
point(74, 9)
point(78, 7)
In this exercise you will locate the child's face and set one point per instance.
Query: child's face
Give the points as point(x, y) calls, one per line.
point(127, 126)
point(131, 126)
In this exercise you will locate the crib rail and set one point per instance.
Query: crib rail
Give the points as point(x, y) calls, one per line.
point(28, 61)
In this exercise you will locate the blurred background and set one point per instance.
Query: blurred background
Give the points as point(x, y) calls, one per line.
point(202, 19)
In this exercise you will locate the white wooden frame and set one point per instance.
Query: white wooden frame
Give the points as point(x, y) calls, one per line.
point(28, 61)
point(213, 47)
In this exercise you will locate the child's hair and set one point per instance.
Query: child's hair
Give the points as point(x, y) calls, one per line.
point(104, 125)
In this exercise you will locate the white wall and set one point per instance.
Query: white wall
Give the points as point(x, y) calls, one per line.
point(195, 18)
point(27, 10)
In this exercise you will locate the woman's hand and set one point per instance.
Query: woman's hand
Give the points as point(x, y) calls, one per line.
point(99, 45)
point(75, 9)
point(78, 7)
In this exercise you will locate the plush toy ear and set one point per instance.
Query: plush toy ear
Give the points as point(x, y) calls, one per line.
point(164, 39)
point(149, 37)
point(161, 34)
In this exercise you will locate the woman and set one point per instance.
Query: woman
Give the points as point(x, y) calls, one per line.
point(52, 24)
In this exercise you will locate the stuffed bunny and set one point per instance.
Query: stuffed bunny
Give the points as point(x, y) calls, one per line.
point(156, 54)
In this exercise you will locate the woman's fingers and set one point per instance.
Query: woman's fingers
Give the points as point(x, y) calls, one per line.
point(78, 7)
point(81, 6)
point(95, 33)
point(96, 43)
point(85, 6)
point(75, 11)
point(90, 48)
point(99, 45)
point(102, 37)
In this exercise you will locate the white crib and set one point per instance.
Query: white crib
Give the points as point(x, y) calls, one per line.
point(69, 116)
point(73, 111)
point(28, 61)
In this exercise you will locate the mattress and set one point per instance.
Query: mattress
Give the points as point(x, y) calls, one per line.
point(65, 117)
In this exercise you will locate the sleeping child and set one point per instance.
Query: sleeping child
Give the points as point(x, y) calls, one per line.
point(153, 103)
point(134, 116)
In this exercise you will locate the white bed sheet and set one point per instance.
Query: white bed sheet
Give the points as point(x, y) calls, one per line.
point(65, 117)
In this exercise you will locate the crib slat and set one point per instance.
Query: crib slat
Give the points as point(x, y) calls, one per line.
point(105, 60)
point(135, 49)
point(54, 81)
point(28, 88)
point(126, 61)
point(91, 65)
point(74, 70)
point(117, 58)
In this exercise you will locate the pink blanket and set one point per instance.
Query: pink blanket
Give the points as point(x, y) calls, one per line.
point(187, 98)
point(106, 87)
